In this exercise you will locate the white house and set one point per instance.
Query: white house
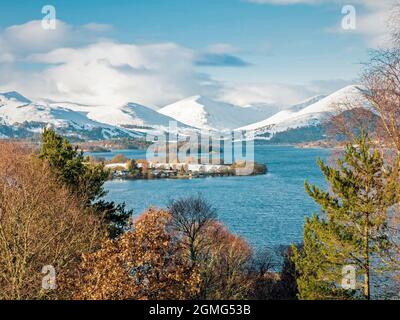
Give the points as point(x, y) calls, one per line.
point(166, 166)
point(116, 165)
point(206, 167)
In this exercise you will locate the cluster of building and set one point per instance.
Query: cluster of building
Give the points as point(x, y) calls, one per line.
point(168, 170)
point(204, 168)
point(123, 168)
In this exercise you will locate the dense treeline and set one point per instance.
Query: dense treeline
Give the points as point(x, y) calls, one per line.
point(52, 215)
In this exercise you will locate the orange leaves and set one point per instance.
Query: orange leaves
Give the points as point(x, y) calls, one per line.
point(143, 264)
point(151, 262)
point(41, 224)
point(224, 264)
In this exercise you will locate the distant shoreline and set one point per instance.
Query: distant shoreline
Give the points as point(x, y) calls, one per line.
point(147, 170)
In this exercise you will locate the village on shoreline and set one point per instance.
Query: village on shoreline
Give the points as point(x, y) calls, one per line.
point(120, 167)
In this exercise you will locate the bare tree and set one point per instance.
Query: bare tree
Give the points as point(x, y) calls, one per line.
point(223, 265)
point(191, 216)
point(220, 257)
point(273, 274)
point(262, 270)
point(347, 124)
point(382, 80)
point(381, 77)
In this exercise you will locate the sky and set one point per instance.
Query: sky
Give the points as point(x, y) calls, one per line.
point(155, 52)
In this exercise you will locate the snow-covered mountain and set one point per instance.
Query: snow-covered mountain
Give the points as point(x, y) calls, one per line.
point(20, 117)
point(311, 112)
point(131, 116)
point(204, 113)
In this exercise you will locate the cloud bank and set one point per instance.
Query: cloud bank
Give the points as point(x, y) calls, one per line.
point(83, 64)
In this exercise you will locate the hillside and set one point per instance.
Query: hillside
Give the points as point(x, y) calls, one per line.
point(204, 113)
point(310, 113)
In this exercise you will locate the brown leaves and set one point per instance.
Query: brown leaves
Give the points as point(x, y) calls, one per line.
point(151, 262)
point(41, 223)
point(223, 265)
point(143, 264)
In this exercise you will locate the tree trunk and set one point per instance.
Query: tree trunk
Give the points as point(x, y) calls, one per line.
point(367, 292)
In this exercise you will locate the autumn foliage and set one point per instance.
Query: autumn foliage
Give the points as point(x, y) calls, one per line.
point(181, 252)
point(151, 262)
point(145, 263)
point(41, 224)
point(224, 265)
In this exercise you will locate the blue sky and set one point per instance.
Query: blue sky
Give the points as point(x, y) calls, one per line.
point(234, 42)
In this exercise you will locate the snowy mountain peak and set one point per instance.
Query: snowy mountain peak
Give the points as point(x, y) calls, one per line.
point(131, 115)
point(346, 98)
point(205, 113)
point(15, 96)
point(312, 111)
point(194, 98)
point(306, 103)
point(197, 112)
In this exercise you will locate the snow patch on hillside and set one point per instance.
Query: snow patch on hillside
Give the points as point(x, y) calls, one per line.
point(312, 111)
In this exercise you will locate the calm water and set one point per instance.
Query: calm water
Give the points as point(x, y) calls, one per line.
point(266, 210)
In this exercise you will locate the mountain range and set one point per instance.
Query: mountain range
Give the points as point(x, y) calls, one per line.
point(21, 117)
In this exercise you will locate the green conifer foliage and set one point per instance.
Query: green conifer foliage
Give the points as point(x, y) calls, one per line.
point(84, 179)
point(352, 227)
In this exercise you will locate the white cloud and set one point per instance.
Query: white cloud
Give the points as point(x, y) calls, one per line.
point(32, 37)
point(73, 64)
point(110, 73)
point(16, 40)
point(269, 93)
point(372, 22)
point(374, 27)
point(19, 40)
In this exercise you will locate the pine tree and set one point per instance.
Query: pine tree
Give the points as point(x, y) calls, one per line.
point(68, 163)
point(83, 179)
point(352, 228)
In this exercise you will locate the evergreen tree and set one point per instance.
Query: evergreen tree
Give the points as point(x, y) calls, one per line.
point(83, 179)
point(133, 168)
point(352, 229)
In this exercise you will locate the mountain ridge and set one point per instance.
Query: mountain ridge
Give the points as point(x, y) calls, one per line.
point(205, 113)
point(311, 113)
point(20, 116)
